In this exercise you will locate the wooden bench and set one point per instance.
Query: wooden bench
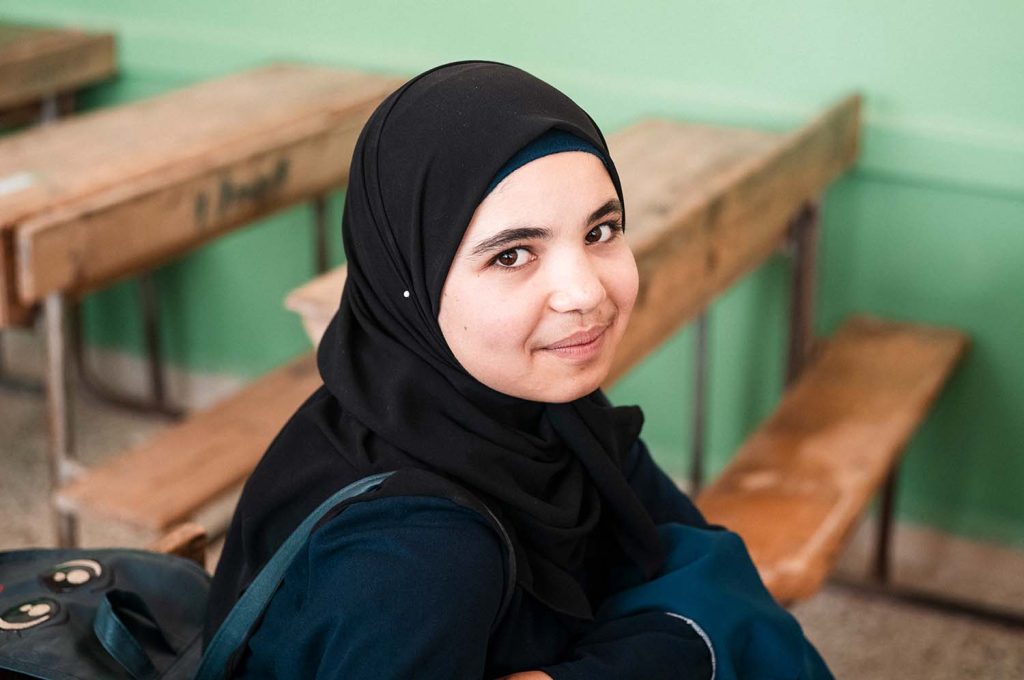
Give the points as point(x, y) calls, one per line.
point(705, 206)
point(168, 479)
point(46, 65)
point(797, 487)
point(117, 192)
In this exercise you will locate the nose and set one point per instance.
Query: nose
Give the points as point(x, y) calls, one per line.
point(575, 284)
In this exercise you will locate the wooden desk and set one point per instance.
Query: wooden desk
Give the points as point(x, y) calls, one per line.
point(110, 193)
point(704, 205)
point(114, 193)
point(40, 63)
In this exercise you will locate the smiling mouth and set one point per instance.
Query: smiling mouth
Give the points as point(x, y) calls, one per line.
point(582, 345)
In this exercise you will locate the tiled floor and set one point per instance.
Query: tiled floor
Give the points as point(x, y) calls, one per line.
point(865, 637)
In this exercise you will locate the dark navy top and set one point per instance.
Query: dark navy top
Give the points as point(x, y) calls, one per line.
point(412, 587)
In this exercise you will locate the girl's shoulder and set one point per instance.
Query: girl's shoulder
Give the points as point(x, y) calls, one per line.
point(411, 570)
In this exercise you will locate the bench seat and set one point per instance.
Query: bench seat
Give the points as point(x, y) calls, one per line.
point(168, 479)
point(796, 488)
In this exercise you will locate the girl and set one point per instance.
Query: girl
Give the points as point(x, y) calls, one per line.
point(489, 283)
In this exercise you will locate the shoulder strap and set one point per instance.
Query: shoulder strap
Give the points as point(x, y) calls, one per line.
point(235, 629)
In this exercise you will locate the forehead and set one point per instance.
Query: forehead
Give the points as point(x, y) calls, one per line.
point(549, 191)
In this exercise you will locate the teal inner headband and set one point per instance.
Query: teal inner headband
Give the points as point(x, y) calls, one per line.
point(552, 141)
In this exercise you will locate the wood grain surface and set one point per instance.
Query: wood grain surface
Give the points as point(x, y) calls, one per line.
point(167, 479)
point(37, 62)
point(107, 194)
point(796, 488)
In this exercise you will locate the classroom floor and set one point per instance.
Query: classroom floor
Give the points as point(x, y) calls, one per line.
point(861, 636)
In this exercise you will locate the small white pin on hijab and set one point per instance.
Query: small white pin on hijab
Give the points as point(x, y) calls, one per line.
point(405, 294)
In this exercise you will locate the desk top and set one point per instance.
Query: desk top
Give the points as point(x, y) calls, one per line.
point(37, 61)
point(107, 193)
point(704, 205)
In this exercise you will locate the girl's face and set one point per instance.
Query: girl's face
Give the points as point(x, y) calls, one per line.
point(543, 284)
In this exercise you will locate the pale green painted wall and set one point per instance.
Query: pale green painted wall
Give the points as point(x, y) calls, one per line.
point(930, 225)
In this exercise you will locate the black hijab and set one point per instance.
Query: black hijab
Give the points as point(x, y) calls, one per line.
point(396, 397)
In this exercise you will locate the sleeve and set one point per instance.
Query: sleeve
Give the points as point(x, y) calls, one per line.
point(391, 588)
point(709, 578)
point(663, 499)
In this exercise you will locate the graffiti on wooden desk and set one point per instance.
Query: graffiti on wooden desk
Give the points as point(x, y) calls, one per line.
point(232, 195)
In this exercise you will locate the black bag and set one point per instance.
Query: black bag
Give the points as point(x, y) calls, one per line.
point(106, 613)
point(118, 613)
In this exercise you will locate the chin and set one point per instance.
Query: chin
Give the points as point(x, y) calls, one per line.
point(561, 390)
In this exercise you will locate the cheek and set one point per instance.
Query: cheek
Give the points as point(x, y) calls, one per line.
point(487, 326)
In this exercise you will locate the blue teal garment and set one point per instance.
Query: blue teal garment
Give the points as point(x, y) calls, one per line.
point(552, 141)
point(431, 578)
point(709, 578)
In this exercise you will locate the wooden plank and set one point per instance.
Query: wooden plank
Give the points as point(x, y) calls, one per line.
point(704, 205)
point(12, 312)
point(166, 480)
point(693, 241)
point(316, 301)
point(31, 113)
point(186, 540)
point(37, 62)
point(115, 191)
point(796, 488)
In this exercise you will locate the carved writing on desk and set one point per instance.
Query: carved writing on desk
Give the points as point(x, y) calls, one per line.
point(234, 194)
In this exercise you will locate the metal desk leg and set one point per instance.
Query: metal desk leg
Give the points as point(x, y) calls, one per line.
point(803, 236)
point(157, 402)
point(699, 405)
point(883, 539)
point(49, 111)
point(58, 411)
point(320, 256)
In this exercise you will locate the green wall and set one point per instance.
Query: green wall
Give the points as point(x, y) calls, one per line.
point(929, 226)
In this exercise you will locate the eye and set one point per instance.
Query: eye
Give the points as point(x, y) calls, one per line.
point(513, 258)
point(603, 232)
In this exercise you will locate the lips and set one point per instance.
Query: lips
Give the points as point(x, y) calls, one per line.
point(580, 338)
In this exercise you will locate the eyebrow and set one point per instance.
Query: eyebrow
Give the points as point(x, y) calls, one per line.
point(611, 206)
point(506, 236)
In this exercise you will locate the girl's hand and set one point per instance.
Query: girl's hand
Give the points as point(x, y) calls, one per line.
point(527, 675)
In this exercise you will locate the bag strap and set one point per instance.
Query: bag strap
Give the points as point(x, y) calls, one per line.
point(233, 632)
point(117, 639)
